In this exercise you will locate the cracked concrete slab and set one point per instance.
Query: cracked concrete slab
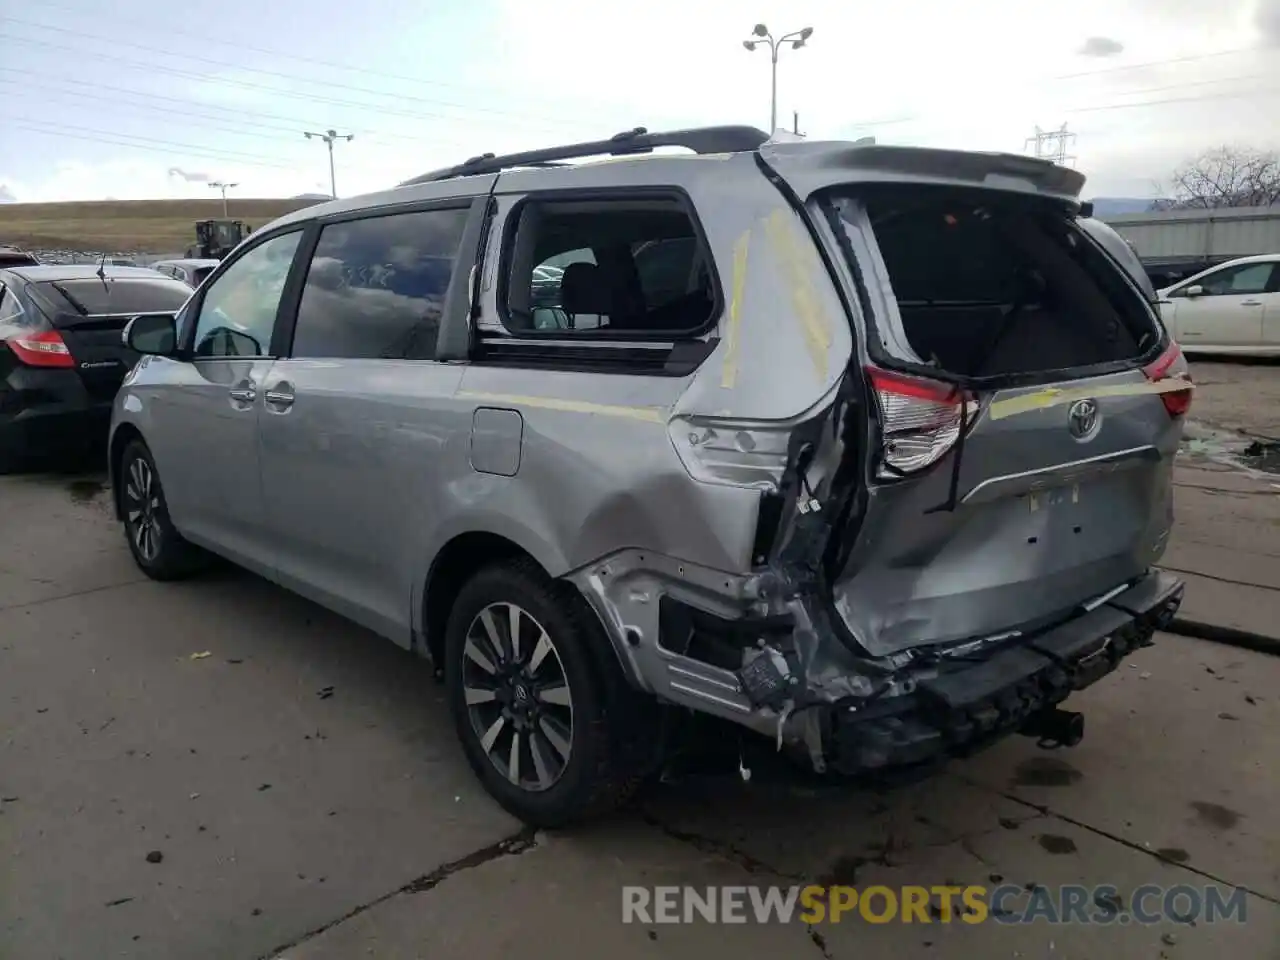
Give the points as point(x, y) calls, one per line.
point(562, 897)
point(1178, 753)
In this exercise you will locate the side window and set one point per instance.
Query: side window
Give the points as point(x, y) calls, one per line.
point(238, 311)
point(1237, 281)
point(591, 267)
point(376, 287)
point(11, 311)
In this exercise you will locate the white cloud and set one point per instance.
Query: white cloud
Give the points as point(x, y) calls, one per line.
point(1101, 47)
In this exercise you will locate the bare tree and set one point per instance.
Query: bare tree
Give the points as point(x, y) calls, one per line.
point(1227, 177)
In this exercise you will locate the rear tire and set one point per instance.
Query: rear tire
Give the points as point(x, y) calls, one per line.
point(157, 547)
point(548, 723)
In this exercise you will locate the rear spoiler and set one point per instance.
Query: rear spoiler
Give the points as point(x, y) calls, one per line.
point(817, 165)
point(65, 320)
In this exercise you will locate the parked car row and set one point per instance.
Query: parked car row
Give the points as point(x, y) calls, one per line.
point(864, 451)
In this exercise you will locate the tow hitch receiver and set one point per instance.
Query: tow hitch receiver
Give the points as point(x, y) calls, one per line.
point(1055, 728)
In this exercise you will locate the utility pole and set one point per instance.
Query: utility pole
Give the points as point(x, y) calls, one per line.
point(329, 136)
point(224, 187)
point(1052, 145)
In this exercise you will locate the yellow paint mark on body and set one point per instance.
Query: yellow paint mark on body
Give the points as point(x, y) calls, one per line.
point(729, 373)
point(815, 326)
point(1057, 396)
point(645, 414)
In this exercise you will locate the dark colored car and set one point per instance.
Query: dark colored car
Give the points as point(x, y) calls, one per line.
point(61, 355)
point(10, 257)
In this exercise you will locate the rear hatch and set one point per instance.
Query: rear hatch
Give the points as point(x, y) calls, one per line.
point(1027, 402)
point(90, 315)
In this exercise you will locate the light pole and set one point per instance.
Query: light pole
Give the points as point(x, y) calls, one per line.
point(761, 34)
point(224, 187)
point(328, 137)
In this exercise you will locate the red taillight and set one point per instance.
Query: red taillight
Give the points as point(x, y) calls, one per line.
point(921, 420)
point(1171, 365)
point(43, 349)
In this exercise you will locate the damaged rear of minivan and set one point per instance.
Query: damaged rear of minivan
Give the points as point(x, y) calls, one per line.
point(968, 534)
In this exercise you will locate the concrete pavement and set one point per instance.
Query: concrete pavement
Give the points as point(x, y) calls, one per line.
point(304, 793)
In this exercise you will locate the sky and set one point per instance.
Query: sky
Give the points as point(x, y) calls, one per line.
point(133, 100)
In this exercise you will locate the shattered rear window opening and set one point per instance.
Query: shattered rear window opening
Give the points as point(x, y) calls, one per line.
point(987, 285)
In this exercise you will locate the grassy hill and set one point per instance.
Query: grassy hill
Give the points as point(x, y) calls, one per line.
point(141, 226)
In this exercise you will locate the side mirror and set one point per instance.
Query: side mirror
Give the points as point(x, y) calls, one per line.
point(155, 334)
point(1195, 290)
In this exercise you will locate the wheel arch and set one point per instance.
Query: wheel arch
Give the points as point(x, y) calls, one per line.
point(456, 562)
point(120, 439)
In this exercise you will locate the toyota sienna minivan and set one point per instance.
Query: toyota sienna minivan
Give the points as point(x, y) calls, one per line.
point(864, 449)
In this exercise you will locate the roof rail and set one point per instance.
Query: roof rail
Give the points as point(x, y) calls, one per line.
point(727, 139)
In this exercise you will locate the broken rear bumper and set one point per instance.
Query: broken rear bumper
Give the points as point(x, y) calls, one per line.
point(970, 705)
point(844, 713)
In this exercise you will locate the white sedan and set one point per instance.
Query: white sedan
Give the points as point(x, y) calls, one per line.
point(1231, 308)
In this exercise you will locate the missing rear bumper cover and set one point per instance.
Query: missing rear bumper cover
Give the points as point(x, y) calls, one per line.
point(741, 649)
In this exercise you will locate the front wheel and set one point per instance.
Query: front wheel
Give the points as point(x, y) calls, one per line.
point(157, 547)
point(542, 717)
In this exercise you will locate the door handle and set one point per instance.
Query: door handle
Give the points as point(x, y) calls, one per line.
point(1250, 303)
point(281, 396)
point(244, 394)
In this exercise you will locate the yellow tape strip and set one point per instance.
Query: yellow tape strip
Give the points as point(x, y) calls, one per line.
point(808, 311)
point(1057, 396)
point(646, 414)
point(729, 374)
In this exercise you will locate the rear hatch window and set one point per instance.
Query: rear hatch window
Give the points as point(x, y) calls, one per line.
point(989, 285)
point(116, 296)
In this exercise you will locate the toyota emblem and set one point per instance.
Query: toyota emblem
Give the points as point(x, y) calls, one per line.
point(1082, 419)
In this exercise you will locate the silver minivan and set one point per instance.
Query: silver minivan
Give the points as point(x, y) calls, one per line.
point(866, 450)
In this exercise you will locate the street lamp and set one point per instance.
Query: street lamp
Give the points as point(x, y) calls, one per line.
point(224, 187)
point(329, 136)
point(761, 34)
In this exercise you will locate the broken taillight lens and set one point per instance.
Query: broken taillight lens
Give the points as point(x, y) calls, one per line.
point(921, 420)
point(43, 349)
point(1172, 365)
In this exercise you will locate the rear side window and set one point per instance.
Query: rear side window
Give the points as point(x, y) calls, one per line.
point(11, 312)
point(124, 295)
point(619, 268)
point(376, 287)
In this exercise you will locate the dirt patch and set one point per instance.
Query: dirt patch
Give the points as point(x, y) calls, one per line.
point(1215, 815)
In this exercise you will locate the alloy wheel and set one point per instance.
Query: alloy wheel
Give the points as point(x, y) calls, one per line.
point(142, 505)
point(517, 696)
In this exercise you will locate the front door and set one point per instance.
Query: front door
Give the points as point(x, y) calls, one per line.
point(206, 436)
point(1228, 312)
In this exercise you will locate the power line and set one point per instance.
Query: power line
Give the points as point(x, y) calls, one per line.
point(291, 128)
point(246, 84)
point(1155, 63)
point(278, 74)
point(329, 64)
point(118, 139)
